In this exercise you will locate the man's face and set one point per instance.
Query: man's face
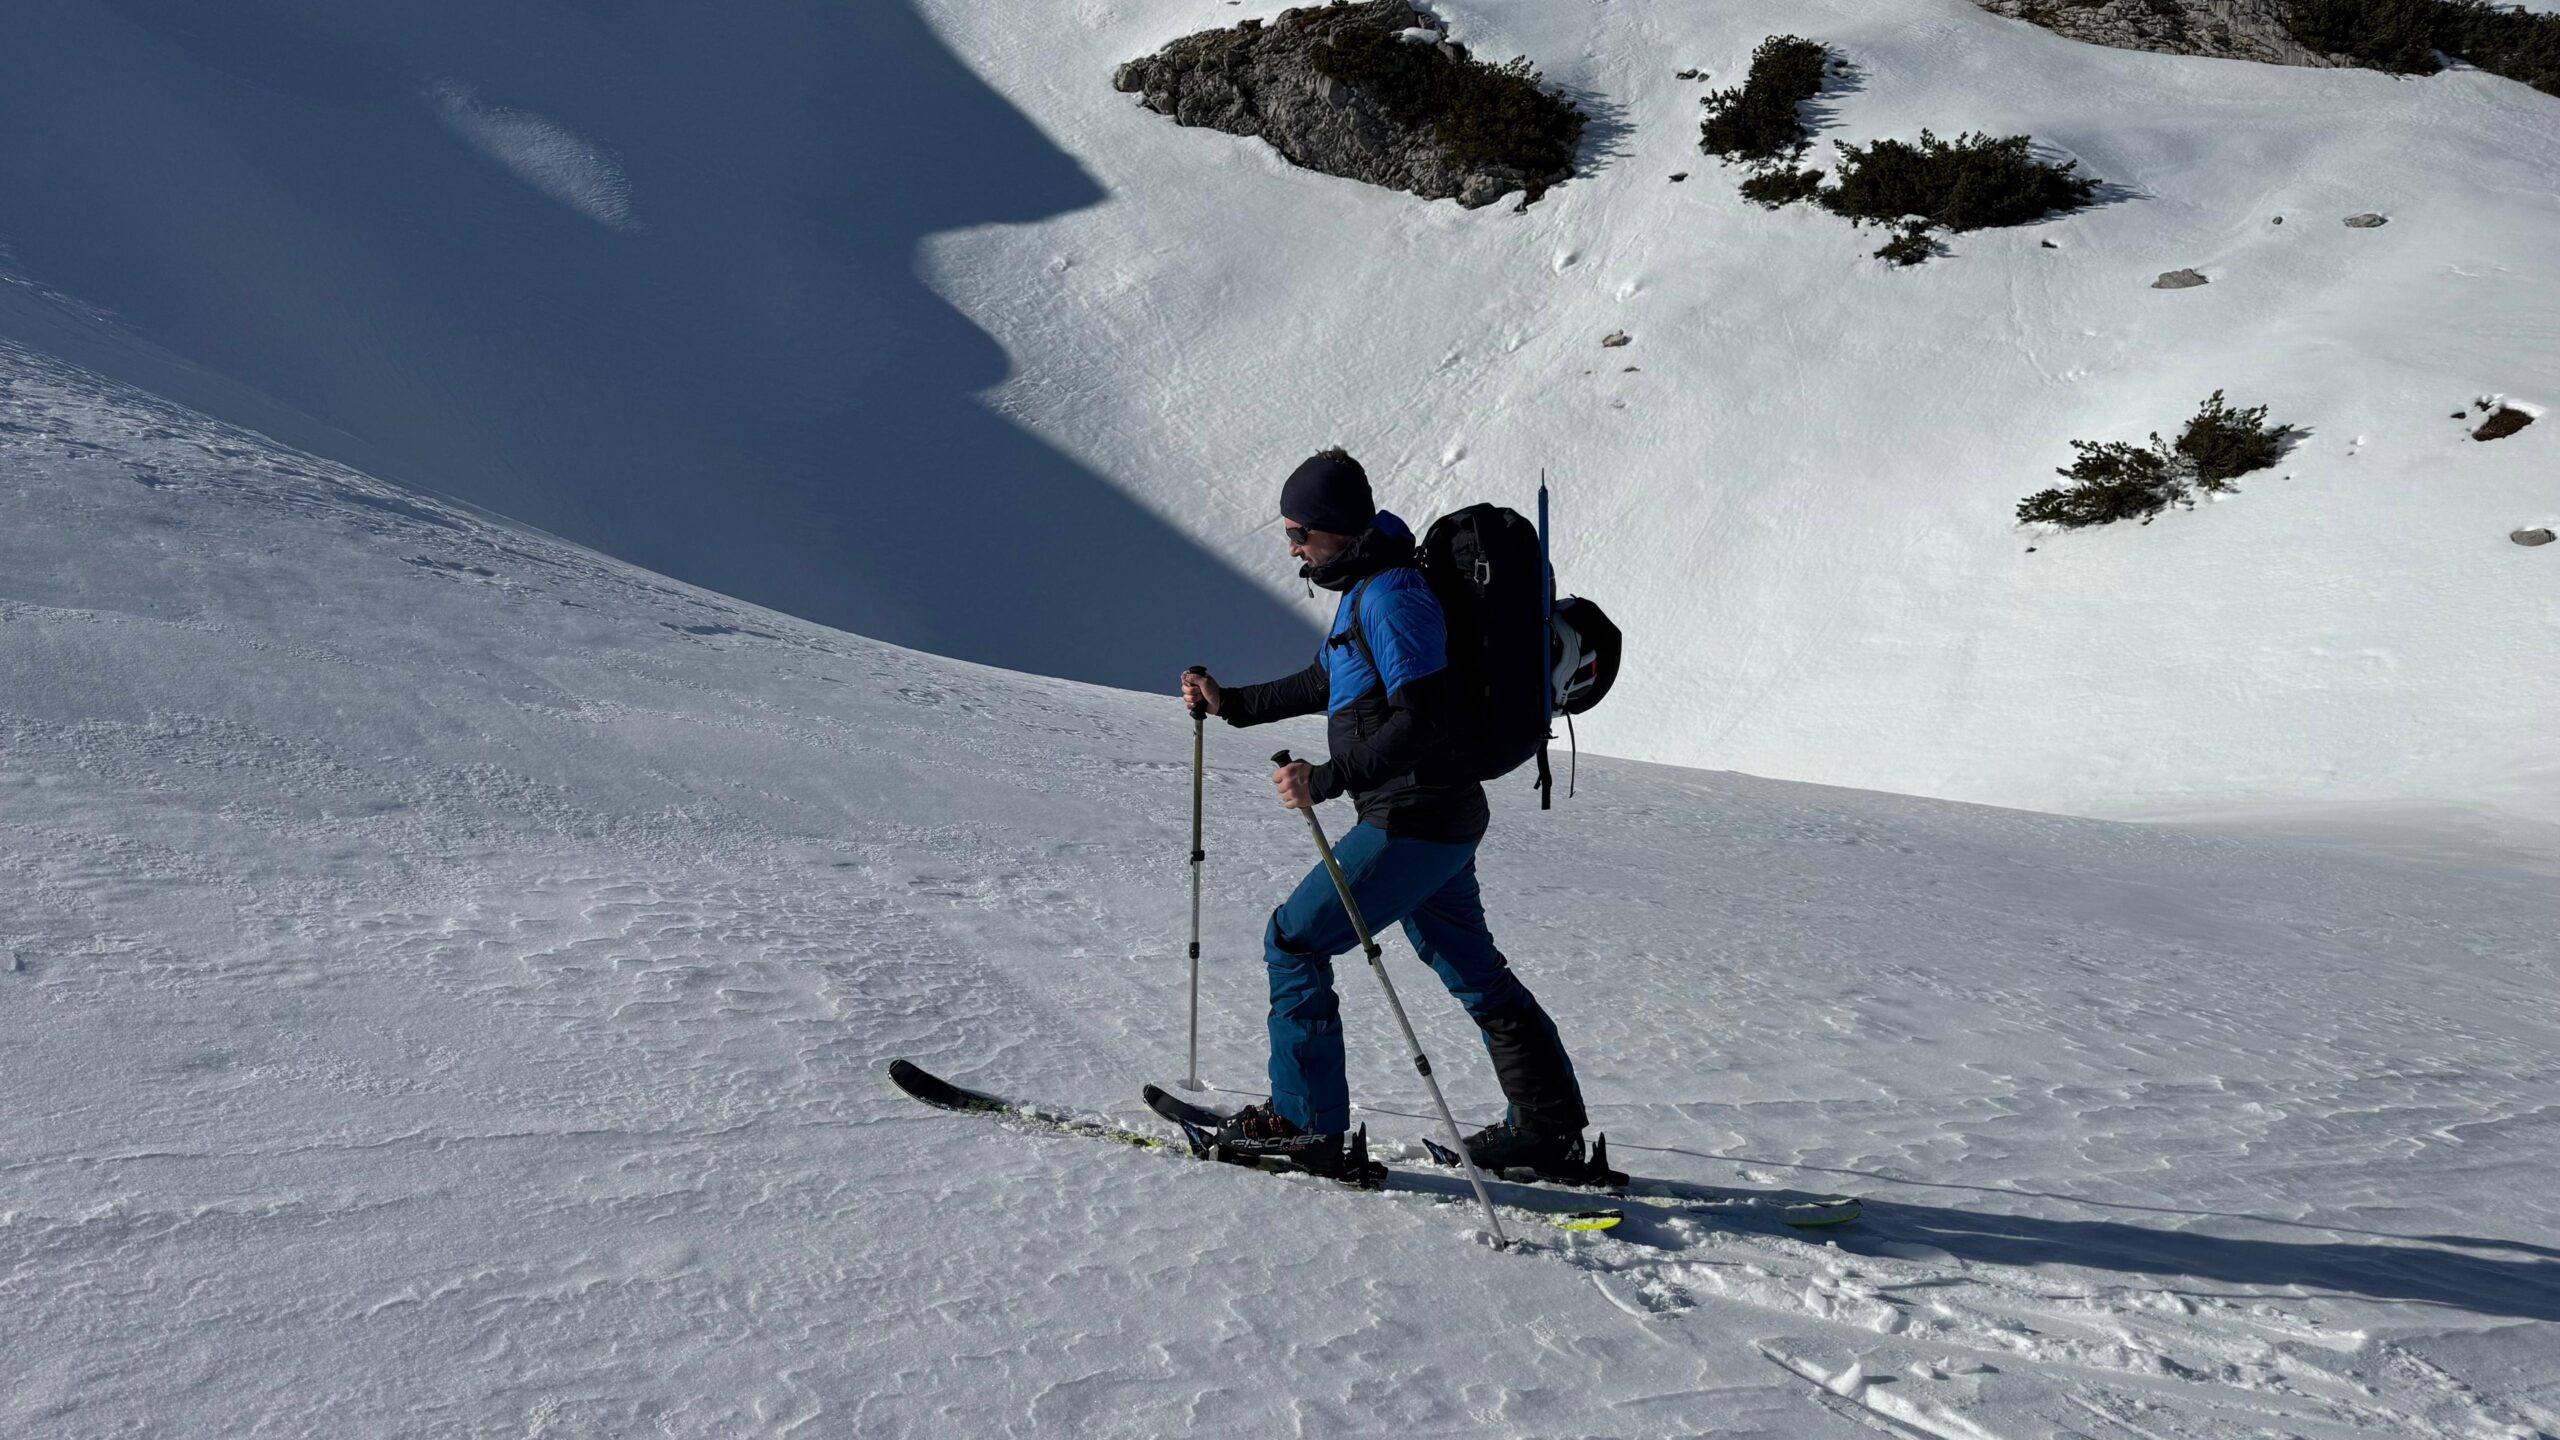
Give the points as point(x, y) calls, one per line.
point(1318, 547)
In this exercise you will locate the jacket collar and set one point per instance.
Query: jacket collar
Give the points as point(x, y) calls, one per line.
point(1385, 545)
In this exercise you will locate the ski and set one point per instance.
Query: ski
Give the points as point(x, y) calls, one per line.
point(932, 1089)
point(1796, 1211)
point(922, 1084)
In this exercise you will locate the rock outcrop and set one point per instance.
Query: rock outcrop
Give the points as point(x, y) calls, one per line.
point(2230, 29)
point(1260, 79)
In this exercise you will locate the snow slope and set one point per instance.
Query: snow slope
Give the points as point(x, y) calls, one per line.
point(445, 977)
point(1795, 487)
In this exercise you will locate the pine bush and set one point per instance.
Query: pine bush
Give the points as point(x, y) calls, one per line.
point(2405, 36)
point(2394, 35)
point(1759, 122)
point(1969, 183)
point(2222, 443)
point(2110, 481)
point(1910, 245)
point(1481, 114)
point(1782, 186)
point(2115, 480)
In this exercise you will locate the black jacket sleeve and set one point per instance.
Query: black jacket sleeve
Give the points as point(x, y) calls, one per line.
point(1304, 693)
point(1413, 731)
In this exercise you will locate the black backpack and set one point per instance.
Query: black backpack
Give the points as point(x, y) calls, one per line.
point(1487, 567)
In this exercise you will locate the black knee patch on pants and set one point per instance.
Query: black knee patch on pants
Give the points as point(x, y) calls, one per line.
point(1535, 1077)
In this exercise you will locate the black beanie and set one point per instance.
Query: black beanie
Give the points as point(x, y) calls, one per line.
point(1329, 492)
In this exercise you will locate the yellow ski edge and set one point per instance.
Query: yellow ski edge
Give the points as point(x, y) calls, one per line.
point(1584, 1219)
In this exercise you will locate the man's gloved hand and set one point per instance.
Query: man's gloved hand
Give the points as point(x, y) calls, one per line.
point(1295, 781)
point(1200, 694)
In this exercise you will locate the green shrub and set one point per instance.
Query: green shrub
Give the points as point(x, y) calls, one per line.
point(1759, 121)
point(2115, 480)
point(1973, 182)
point(1782, 186)
point(1910, 245)
point(2109, 482)
point(2221, 443)
point(2404, 36)
point(1969, 183)
point(2394, 35)
point(1504, 115)
point(1481, 114)
point(2521, 46)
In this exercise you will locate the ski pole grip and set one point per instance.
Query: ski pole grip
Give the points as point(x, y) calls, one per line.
point(1282, 758)
point(1199, 708)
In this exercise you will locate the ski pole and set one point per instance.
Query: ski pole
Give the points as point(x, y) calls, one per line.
point(1199, 724)
point(1421, 1062)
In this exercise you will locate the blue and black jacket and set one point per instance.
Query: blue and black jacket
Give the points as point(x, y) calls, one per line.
point(1386, 692)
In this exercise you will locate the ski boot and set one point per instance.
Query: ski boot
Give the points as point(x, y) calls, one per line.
point(1258, 1135)
point(1516, 1154)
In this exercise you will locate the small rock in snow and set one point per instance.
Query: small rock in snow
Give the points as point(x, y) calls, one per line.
point(2180, 280)
point(2367, 221)
point(1614, 339)
point(1679, 176)
point(2502, 422)
point(2536, 536)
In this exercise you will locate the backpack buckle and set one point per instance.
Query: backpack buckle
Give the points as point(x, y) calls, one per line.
point(1484, 571)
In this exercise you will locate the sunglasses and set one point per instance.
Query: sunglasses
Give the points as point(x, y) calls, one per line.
point(1297, 533)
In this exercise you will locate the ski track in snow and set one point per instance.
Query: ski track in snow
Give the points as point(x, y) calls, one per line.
point(449, 975)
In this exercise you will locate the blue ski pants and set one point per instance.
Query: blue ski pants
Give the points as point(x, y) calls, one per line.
point(1431, 888)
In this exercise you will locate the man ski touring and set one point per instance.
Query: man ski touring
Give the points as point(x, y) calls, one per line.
point(1384, 681)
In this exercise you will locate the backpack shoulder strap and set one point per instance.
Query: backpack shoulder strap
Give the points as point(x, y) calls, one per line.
point(1357, 634)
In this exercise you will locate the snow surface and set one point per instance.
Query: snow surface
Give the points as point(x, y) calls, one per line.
point(448, 975)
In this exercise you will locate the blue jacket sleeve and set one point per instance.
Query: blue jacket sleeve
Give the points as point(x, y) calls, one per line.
point(1407, 633)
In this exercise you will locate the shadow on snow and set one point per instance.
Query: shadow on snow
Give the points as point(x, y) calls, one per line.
point(643, 275)
point(2519, 1279)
